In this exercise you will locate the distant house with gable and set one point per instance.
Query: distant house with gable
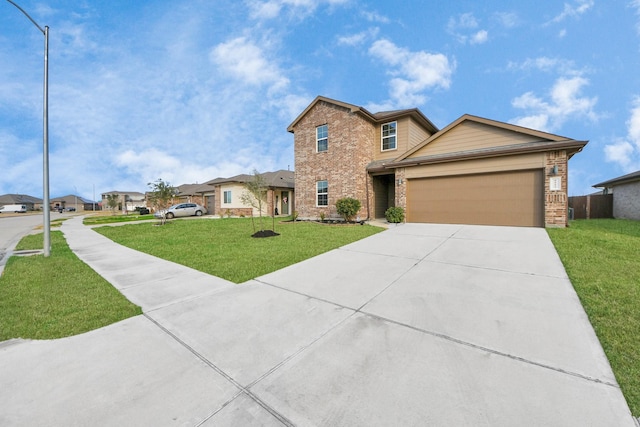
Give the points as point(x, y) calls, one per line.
point(32, 203)
point(626, 195)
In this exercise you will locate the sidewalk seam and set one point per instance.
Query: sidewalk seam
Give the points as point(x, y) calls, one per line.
point(240, 388)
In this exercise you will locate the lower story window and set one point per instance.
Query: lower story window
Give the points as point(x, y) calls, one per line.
point(227, 197)
point(322, 191)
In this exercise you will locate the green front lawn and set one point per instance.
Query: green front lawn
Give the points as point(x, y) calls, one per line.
point(602, 259)
point(108, 219)
point(225, 248)
point(57, 296)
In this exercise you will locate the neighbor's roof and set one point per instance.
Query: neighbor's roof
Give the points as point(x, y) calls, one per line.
point(380, 117)
point(128, 193)
point(192, 189)
point(624, 179)
point(70, 199)
point(279, 178)
point(11, 199)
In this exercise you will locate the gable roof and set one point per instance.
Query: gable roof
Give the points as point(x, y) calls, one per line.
point(377, 118)
point(488, 122)
point(133, 195)
point(624, 179)
point(18, 199)
point(70, 199)
point(279, 178)
point(192, 189)
point(546, 142)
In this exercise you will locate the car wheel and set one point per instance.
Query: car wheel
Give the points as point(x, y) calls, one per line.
point(198, 213)
point(169, 215)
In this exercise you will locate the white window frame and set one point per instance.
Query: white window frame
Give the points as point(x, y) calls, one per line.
point(324, 193)
point(389, 135)
point(322, 138)
point(226, 200)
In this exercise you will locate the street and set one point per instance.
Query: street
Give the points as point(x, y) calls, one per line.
point(12, 229)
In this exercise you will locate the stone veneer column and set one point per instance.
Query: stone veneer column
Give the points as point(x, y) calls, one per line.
point(556, 202)
point(401, 189)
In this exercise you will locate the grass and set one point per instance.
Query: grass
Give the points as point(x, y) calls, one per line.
point(104, 219)
point(602, 260)
point(57, 296)
point(225, 248)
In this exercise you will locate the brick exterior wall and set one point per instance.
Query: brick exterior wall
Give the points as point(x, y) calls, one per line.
point(556, 203)
point(343, 165)
point(626, 201)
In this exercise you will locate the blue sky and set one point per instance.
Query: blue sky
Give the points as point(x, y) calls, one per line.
point(190, 91)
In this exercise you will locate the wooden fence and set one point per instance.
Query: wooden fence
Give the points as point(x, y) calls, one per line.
point(593, 206)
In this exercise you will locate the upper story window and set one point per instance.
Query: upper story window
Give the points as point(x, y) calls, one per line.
point(227, 197)
point(322, 138)
point(322, 191)
point(389, 136)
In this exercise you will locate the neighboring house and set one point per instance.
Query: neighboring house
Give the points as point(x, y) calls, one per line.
point(227, 194)
point(127, 200)
point(626, 195)
point(32, 203)
point(473, 171)
point(192, 193)
point(72, 202)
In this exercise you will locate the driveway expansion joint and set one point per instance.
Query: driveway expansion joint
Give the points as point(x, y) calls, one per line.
point(496, 352)
point(240, 387)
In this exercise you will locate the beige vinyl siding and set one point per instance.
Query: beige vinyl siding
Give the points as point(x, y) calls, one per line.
point(409, 134)
point(473, 136)
point(494, 164)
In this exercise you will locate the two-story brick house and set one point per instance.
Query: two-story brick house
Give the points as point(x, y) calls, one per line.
point(473, 171)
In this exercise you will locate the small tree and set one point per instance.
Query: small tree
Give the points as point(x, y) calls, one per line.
point(348, 207)
point(161, 196)
point(112, 202)
point(255, 195)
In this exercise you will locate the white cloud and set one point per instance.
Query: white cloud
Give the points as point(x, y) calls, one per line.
point(463, 21)
point(620, 152)
point(300, 9)
point(626, 151)
point(358, 38)
point(546, 64)
point(246, 61)
point(574, 10)
point(375, 17)
point(480, 37)
point(464, 28)
point(565, 102)
point(636, 5)
point(412, 72)
point(507, 19)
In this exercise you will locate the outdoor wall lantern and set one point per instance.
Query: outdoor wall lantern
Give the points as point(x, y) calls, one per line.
point(554, 170)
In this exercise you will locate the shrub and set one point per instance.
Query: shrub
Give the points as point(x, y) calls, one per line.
point(348, 207)
point(394, 214)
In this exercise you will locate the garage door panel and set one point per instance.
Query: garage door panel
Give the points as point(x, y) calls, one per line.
point(505, 198)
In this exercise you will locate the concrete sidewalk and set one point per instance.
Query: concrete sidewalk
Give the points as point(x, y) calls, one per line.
point(418, 325)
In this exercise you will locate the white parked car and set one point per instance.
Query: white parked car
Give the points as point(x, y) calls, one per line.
point(182, 209)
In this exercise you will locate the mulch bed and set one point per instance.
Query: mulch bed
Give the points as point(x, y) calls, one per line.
point(265, 233)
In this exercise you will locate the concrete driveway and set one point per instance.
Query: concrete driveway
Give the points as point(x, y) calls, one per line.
point(418, 325)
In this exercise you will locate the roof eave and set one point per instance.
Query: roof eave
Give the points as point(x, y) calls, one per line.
point(572, 145)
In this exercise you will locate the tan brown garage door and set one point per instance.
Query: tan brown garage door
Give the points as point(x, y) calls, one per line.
point(504, 198)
